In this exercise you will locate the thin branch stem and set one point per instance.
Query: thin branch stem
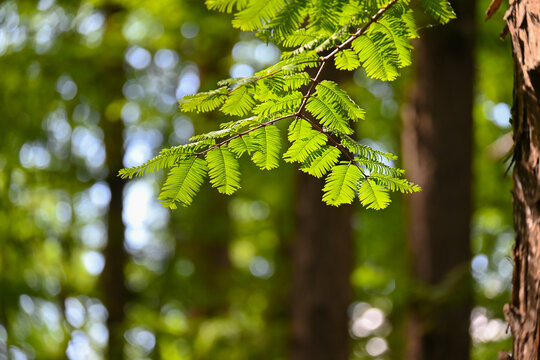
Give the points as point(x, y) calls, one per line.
point(226, 141)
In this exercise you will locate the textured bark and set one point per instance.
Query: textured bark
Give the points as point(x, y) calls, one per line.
point(523, 19)
point(437, 145)
point(322, 254)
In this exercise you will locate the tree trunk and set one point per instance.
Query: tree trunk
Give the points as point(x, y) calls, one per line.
point(437, 146)
point(322, 258)
point(523, 19)
point(115, 293)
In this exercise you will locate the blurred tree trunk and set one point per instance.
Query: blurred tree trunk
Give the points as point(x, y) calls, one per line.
point(115, 293)
point(523, 314)
point(210, 250)
point(322, 253)
point(321, 266)
point(113, 280)
point(437, 145)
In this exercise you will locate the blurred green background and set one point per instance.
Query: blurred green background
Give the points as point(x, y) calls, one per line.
point(87, 87)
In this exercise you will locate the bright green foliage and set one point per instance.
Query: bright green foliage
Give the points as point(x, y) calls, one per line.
point(321, 161)
point(377, 167)
point(241, 145)
point(240, 102)
point(396, 29)
point(183, 182)
point(373, 196)
point(295, 81)
point(325, 14)
point(299, 38)
point(289, 19)
point(347, 60)
point(152, 165)
point(364, 151)
point(204, 102)
point(374, 35)
point(279, 106)
point(304, 146)
point(377, 55)
point(268, 143)
point(224, 170)
point(329, 114)
point(439, 9)
point(341, 184)
point(394, 184)
point(299, 129)
point(257, 14)
point(226, 5)
point(332, 93)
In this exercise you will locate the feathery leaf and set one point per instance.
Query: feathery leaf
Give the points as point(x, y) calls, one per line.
point(331, 92)
point(285, 105)
point(288, 20)
point(439, 9)
point(298, 129)
point(204, 101)
point(183, 182)
point(213, 134)
point(321, 161)
point(373, 196)
point(295, 81)
point(162, 161)
point(363, 151)
point(304, 146)
point(347, 60)
point(328, 114)
point(224, 170)
point(239, 102)
point(341, 184)
point(257, 14)
point(375, 51)
point(226, 5)
point(301, 37)
point(324, 14)
point(395, 184)
point(375, 166)
point(268, 141)
point(396, 30)
point(242, 144)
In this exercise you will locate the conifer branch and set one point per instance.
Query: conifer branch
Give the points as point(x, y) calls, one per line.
point(225, 142)
point(321, 111)
point(311, 89)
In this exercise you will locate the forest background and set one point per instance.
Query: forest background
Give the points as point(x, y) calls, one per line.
point(90, 87)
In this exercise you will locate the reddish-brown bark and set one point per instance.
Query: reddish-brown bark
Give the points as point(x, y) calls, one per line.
point(523, 313)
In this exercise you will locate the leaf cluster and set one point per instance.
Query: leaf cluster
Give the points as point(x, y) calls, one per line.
point(371, 34)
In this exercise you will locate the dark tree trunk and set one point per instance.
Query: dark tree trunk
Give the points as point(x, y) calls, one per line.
point(113, 287)
point(322, 253)
point(437, 144)
point(115, 293)
point(523, 313)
